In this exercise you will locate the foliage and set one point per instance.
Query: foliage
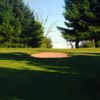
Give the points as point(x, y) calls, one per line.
point(88, 44)
point(18, 25)
point(98, 43)
point(83, 21)
point(46, 42)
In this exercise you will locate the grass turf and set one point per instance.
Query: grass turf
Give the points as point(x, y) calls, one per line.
point(25, 78)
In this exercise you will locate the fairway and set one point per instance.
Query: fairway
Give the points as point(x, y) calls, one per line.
point(23, 77)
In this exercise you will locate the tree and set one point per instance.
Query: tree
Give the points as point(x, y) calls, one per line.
point(36, 34)
point(18, 27)
point(94, 21)
point(46, 41)
point(80, 21)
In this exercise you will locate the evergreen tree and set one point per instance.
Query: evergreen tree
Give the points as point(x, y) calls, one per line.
point(81, 20)
point(94, 21)
point(18, 25)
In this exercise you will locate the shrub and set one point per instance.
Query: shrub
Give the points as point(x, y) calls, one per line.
point(87, 44)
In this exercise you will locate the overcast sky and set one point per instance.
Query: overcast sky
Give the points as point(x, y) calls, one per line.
point(53, 9)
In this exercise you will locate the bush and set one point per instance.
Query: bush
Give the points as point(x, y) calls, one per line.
point(98, 43)
point(87, 44)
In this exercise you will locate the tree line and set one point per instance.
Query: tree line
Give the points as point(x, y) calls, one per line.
point(82, 21)
point(18, 27)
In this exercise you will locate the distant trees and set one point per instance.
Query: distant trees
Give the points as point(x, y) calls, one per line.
point(18, 27)
point(46, 42)
point(82, 21)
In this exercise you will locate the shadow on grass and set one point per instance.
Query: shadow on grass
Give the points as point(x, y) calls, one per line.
point(74, 78)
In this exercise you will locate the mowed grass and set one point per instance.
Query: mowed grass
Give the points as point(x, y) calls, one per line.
point(25, 78)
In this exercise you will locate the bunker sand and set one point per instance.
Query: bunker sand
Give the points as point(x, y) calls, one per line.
point(50, 55)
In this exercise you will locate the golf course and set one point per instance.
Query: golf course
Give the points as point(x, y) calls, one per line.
point(23, 77)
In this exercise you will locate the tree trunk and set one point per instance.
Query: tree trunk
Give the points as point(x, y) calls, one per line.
point(77, 44)
point(71, 44)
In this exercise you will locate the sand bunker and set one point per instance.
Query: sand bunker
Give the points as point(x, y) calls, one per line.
point(50, 55)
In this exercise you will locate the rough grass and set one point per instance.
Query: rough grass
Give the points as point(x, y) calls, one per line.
point(25, 78)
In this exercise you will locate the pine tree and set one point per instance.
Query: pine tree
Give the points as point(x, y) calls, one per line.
point(17, 25)
point(94, 22)
point(81, 20)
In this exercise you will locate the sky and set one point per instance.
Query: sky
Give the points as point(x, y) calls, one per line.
point(54, 10)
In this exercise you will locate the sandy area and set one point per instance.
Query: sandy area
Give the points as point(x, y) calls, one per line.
point(50, 55)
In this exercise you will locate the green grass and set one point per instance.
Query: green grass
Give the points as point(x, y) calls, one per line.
point(25, 78)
